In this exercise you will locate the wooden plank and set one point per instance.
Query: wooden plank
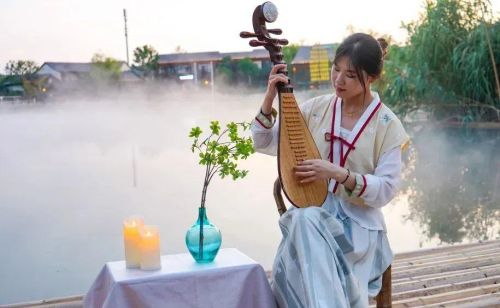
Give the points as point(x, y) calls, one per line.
point(449, 250)
point(449, 262)
point(448, 296)
point(444, 249)
point(445, 279)
point(485, 282)
point(449, 268)
point(486, 300)
point(483, 269)
point(445, 256)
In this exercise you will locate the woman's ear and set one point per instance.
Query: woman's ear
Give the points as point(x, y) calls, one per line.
point(371, 79)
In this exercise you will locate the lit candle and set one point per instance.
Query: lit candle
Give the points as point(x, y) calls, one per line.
point(150, 248)
point(131, 240)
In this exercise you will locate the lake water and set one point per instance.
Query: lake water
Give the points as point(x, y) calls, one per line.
point(67, 183)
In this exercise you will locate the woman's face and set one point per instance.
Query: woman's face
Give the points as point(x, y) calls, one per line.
point(345, 81)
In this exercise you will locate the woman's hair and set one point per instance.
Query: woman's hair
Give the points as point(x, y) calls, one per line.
point(364, 53)
point(383, 43)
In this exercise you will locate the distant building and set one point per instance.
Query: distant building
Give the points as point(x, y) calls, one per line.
point(76, 77)
point(11, 86)
point(71, 71)
point(312, 64)
point(200, 67)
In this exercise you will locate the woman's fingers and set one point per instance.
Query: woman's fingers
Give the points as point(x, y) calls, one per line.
point(303, 174)
point(303, 168)
point(277, 67)
point(308, 162)
point(273, 79)
point(308, 180)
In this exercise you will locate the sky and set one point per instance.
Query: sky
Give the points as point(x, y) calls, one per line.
point(73, 31)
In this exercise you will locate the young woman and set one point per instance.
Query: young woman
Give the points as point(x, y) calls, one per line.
point(334, 256)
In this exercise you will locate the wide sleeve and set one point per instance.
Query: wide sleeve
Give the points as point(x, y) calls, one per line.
point(265, 139)
point(379, 188)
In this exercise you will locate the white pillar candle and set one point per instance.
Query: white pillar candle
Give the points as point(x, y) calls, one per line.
point(131, 240)
point(150, 248)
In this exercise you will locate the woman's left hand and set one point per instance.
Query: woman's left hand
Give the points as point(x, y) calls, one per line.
point(314, 169)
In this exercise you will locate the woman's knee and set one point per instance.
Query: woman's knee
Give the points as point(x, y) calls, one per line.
point(309, 215)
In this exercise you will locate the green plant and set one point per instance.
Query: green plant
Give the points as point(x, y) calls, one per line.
point(146, 60)
point(220, 151)
point(446, 67)
point(105, 69)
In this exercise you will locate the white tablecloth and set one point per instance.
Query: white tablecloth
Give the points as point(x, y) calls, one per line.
point(232, 280)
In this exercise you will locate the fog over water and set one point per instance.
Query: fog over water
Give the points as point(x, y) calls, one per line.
point(67, 183)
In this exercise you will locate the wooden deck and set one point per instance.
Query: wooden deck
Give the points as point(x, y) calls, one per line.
point(455, 276)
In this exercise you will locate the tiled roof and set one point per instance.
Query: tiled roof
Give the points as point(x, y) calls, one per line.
point(70, 67)
point(175, 58)
point(254, 54)
point(190, 57)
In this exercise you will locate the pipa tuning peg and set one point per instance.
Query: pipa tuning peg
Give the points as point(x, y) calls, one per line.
point(246, 34)
point(255, 43)
point(282, 41)
point(275, 31)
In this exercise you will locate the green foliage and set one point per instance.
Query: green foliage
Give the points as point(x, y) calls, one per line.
point(220, 151)
point(146, 60)
point(247, 69)
point(21, 67)
point(289, 53)
point(446, 67)
point(105, 69)
point(226, 69)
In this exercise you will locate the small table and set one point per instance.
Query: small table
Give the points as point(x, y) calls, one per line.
point(232, 280)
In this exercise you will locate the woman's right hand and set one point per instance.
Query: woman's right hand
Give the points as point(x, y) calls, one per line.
point(274, 78)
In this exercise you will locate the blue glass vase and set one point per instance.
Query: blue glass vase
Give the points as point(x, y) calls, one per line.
point(203, 239)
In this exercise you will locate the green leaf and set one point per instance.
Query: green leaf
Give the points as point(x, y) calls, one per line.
point(195, 132)
point(215, 127)
point(222, 153)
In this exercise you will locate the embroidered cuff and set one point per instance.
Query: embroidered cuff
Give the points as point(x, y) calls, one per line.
point(266, 121)
point(360, 187)
point(356, 181)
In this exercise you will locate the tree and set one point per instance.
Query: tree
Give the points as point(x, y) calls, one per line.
point(226, 69)
point(105, 69)
point(446, 67)
point(146, 60)
point(248, 69)
point(21, 67)
point(289, 53)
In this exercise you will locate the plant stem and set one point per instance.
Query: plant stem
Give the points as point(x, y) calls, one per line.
point(200, 247)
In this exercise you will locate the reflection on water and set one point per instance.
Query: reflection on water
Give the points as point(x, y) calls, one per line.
point(453, 183)
point(67, 181)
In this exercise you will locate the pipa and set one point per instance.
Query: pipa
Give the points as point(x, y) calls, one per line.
point(295, 140)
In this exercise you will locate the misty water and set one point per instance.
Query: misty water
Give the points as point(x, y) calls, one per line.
point(67, 182)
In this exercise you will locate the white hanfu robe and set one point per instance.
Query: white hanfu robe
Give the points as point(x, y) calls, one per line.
point(334, 256)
